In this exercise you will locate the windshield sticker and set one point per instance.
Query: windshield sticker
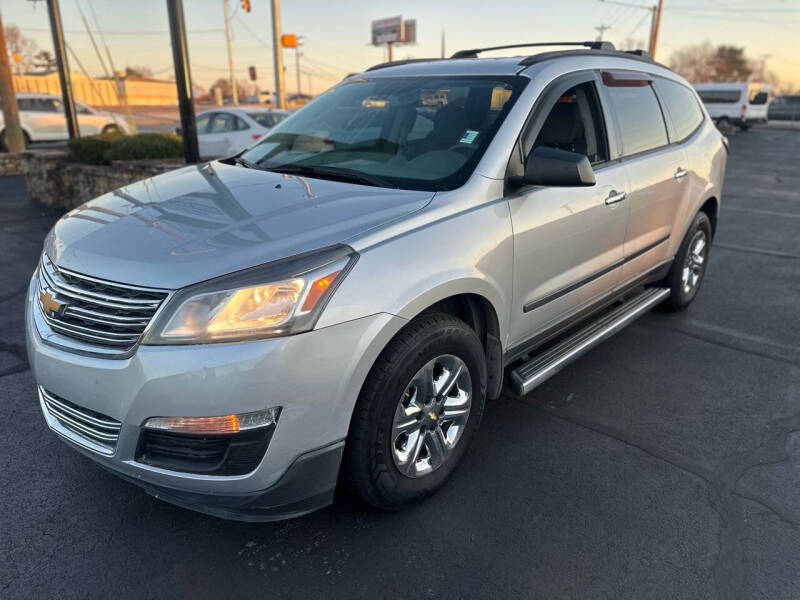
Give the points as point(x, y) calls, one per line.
point(468, 137)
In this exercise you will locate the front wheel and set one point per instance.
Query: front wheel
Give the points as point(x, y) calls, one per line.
point(417, 412)
point(689, 267)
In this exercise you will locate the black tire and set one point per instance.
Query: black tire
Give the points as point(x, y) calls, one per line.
point(111, 130)
point(369, 465)
point(681, 297)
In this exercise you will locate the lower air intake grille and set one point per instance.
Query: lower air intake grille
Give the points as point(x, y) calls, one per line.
point(97, 431)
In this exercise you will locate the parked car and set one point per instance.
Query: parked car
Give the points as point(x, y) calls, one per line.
point(785, 108)
point(738, 103)
point(344, 296)
point(226, 131)
point(42, 119)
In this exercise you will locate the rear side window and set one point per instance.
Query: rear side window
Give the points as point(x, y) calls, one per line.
point(720, 96)
point(682, 107)
point(641, 124)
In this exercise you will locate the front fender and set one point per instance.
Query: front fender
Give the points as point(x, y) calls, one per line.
point(469, 252)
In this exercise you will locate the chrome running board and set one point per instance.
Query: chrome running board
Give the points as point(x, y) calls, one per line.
point(543, 366)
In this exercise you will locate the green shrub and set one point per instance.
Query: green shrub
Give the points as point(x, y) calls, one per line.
point(145, 145)
point(91, 150)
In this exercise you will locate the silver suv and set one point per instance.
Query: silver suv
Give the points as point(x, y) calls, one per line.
point(338, 301)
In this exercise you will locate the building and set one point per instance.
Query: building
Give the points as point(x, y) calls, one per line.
point(140, 91)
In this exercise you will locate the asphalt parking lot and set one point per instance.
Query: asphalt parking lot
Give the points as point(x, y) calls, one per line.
point(665, 464)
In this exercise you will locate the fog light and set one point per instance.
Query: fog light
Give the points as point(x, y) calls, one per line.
point(216, 425)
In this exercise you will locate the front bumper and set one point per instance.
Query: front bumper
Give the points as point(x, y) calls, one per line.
point(315, 377)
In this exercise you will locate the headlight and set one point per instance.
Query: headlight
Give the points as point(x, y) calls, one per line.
point(280, 298)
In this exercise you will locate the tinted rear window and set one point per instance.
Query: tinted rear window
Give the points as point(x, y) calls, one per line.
point(641, 123)
point(266, 119)
point(719, 96)
point(682, 107)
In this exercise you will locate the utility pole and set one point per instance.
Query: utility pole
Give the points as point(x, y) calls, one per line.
point(277, 48)
point(183, 80)
point(655, 20)
point(763, 58)
point(63, 68)
point(442, 43)
point(230, 52)
point(391, 52)
point(656, 27)
point(600, 30)
point(297, 65)
point(14, 140)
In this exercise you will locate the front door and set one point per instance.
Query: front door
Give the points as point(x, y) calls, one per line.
point(568, 241)
point(217, 140)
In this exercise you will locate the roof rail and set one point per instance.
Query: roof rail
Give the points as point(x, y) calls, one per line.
point(543, 56)
point(473, 53)
point(397, 63)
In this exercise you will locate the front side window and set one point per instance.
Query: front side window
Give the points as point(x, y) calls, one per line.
point(575, 124)
point(221, 123)
point(682, 107)
point(409, 132)
point(202, 123)
point(641, 124)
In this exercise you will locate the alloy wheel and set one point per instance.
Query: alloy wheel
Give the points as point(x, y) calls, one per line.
point(431, 416)
point(695, 262)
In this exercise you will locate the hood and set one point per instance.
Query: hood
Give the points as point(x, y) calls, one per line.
point(203, 221)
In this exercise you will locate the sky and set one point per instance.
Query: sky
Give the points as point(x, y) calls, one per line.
point(337, 33)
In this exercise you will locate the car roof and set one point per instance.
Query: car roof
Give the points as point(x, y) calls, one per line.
point(506, 65)
point(36, 95)
point(240, 110)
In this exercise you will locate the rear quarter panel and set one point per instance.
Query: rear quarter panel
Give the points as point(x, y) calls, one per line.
point(707, 158)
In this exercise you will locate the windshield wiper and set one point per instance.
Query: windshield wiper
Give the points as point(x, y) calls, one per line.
point(333, 173)
point(246, 163)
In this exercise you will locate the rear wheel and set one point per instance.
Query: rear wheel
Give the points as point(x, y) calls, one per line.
point(111, 130)
point(689, 267)
point(417, 412)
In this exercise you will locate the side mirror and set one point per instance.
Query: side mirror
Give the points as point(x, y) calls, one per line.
point(553, 167)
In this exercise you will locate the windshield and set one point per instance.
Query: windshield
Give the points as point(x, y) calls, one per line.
point(268, 119)
point(425, 133)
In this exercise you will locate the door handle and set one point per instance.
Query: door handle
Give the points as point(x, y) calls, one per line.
point(681, 173)
point(614, 197)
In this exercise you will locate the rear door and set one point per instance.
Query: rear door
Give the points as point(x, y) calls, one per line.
point(568, 241)
point(656, 170)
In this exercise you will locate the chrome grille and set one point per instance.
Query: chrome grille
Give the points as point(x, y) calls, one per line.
point(94, 310)
point(87, 427)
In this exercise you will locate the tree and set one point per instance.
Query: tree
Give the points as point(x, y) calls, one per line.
point(139, 71)
point(224, 86)
point(704, 62)
point(19, 45)
point(45, 61)
point(732, 65)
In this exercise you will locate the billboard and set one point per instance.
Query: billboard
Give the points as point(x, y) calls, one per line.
point(410, 31)
point(388, 30)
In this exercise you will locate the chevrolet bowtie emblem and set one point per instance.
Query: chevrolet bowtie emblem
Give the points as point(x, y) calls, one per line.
point(50, 306)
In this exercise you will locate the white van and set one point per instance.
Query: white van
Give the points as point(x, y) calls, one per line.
point(740, 103)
